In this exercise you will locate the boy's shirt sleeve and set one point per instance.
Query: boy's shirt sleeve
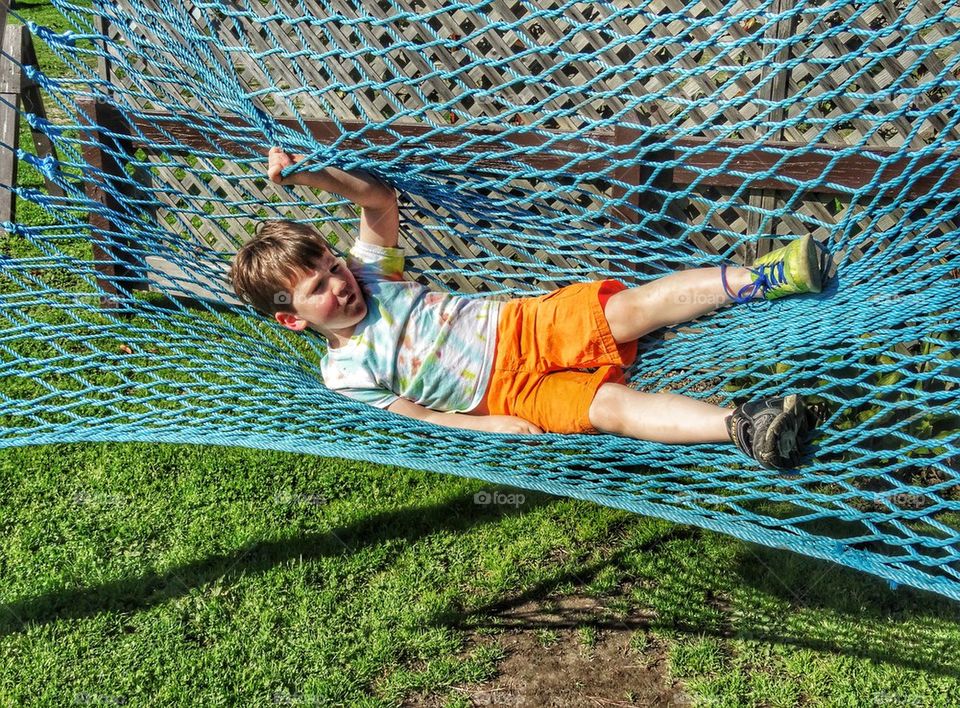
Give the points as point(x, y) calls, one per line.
point(376, 262)
point(377, 397)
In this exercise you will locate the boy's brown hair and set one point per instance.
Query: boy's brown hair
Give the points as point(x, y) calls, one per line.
point(265, 268)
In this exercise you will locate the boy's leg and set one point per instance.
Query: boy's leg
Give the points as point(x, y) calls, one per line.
point(670, 300)
point(798, 267)
point(768, 430)
point(658, 417)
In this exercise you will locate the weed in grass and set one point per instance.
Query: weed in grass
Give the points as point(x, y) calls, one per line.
point(640, 642)
point(547, 637)
point(587, 636)
point(605, 582)
point(698, 656)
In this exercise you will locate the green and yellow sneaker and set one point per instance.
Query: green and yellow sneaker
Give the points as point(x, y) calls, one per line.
point(795, 268)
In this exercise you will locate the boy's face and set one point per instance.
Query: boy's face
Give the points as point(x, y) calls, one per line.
point(326, 297)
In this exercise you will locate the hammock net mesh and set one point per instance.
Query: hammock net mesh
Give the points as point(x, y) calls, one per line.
point(533, 145)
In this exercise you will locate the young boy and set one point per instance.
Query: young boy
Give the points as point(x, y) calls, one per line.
point(550, 363)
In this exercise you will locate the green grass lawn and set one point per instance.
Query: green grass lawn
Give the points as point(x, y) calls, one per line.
point(197, 575)
point(166, 574)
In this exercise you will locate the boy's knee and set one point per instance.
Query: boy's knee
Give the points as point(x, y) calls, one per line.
point(605, 409)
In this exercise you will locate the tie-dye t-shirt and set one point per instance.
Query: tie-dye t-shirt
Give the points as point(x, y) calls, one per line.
point(432, 348)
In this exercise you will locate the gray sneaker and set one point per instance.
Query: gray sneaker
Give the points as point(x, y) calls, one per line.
point(771, 430)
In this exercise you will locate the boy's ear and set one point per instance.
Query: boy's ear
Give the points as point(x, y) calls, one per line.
point(291, 321)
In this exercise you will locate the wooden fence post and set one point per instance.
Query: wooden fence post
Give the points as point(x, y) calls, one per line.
point(9, 117)
point(4, 8)
point(116, 266)
point(16, 92)
point(765, 200)
point(637, 175)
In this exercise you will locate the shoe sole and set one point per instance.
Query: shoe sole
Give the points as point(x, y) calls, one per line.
point(786, 430)
point(811, 264)
point(815, 414)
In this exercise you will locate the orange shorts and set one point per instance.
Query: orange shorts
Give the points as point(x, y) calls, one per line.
point(545, 345)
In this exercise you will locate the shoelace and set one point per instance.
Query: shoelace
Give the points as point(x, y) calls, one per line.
point(769, 275)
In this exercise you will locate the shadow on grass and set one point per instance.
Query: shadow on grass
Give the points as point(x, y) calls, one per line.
point(674, 584)
point(141, 592)
point(21, 5)
point(765, 595)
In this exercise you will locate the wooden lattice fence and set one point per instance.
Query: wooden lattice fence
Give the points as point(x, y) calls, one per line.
point(813, 90)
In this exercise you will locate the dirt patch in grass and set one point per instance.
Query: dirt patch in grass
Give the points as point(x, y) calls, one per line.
point(569, 652)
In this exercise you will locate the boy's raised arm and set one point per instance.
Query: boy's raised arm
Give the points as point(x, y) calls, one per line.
point(379, 213)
